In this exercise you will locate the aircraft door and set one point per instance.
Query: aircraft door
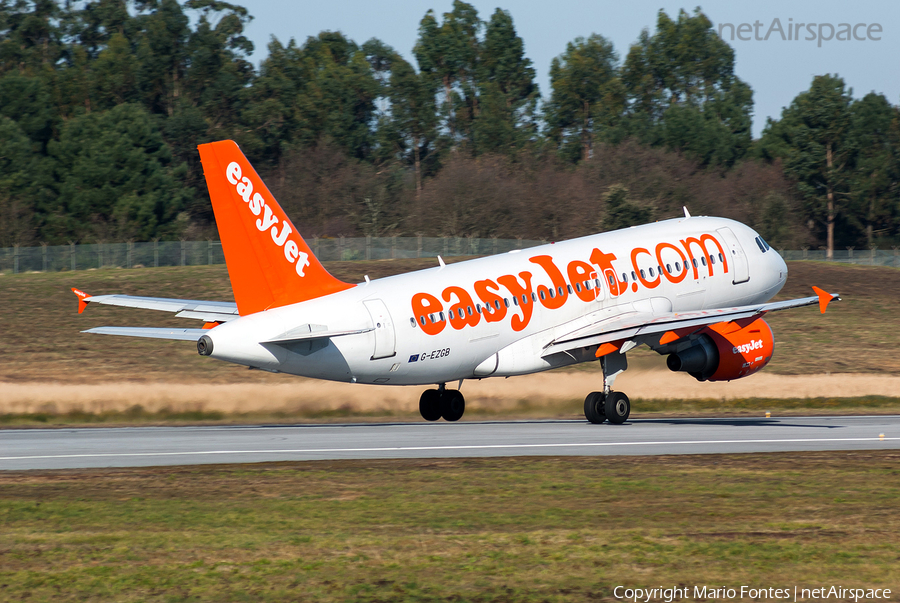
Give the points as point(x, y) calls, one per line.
point(740, 269)
point(384, 329)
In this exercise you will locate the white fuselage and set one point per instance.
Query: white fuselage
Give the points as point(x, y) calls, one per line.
point(397, 349)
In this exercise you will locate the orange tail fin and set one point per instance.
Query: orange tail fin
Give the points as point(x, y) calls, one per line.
point(269, 263)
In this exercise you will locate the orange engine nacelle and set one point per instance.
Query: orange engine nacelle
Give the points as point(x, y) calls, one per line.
point(726, 351)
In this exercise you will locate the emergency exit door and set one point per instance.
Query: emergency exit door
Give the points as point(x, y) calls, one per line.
point(384, 329)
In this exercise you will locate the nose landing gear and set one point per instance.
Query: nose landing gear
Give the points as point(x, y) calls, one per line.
point(437, 403)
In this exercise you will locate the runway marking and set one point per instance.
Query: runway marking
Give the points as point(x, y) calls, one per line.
point(437, 448)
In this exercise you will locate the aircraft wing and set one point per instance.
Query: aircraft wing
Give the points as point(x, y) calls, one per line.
point(207, 311)
point(673, 325)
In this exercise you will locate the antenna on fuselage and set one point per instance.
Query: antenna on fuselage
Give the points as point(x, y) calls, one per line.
point(687, 214)
point(441, 261)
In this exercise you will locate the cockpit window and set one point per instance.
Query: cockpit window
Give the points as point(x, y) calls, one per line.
point(761, 244)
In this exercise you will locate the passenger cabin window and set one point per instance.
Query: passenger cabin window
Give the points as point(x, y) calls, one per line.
point(412, 321)
point(431, 318)
point(677, 266)
point(703, 260)
point(441, 314)
point(669, 268)
point(695, 262)
point(712, 260)
point(422, 320)
point(478, 308)
point(569, 287)
point(543, 296)
point(721, 259)
point(524, 299)
point(534, 296)
point(469, 310)
point(505, 303)
point(652, 274)
point(643, 274)
point(578, 287)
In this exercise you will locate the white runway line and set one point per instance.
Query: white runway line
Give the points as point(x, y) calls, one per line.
point(439, 448)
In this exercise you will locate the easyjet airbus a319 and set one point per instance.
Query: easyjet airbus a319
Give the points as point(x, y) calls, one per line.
point(694, 289)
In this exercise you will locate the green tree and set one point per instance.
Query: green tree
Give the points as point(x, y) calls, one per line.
point(116, 180)
point(16, 171)
point(586, 95)
point(682, 92)
point(447, 53)
point(874, 180)
point(507, 93)
point(413, 115)
point(30, 36)
point(621, 211)
point(813, 140)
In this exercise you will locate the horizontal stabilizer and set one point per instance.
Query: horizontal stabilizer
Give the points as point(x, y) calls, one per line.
point(152, 332)
point(207, 311)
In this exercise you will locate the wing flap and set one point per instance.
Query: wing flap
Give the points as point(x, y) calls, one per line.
point(151, 332)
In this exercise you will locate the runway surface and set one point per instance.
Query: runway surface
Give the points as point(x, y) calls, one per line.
point(151, 446)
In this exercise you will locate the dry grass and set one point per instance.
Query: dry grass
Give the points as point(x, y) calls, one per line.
point(543, 529)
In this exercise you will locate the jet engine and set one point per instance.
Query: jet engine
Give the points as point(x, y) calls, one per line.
point(726, 351)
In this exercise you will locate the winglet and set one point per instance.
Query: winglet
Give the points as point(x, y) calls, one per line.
point(82, 299)
point(824, 298)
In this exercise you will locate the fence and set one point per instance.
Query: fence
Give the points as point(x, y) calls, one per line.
point(195, 253)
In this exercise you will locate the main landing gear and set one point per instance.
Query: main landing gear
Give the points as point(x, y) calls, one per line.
point(447, 403)
point(608, 405)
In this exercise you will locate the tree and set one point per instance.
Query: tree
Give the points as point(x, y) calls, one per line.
point(16, 171)
point(682, 91)
point(448, 54)
point(586, 97)
point(874, 180)
point(413, 115)
point(507, 93)
point(622, 212)
point(812, 138)
point(116, 179)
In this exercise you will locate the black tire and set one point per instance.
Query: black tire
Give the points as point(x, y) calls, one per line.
point(593, 408)
point(430, 405)
point(453, 405)
point(617, 407)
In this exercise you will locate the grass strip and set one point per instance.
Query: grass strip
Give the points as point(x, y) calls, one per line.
point(505, 529)
point(525, 408)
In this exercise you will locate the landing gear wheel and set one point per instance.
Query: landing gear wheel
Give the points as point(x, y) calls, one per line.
point(430, 405)
point(593, 408)
point(617, 408)
point(453, 405)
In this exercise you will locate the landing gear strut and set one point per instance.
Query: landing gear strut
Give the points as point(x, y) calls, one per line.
point(447, 403)
point(608, 405)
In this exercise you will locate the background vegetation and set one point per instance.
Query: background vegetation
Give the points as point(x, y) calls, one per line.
point(103, 102)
